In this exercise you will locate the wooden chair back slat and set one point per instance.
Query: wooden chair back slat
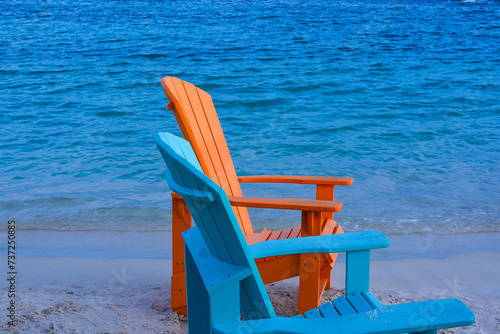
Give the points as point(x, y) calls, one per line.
point(195, 112)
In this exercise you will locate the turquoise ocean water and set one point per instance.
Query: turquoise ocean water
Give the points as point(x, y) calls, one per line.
point(403, 96)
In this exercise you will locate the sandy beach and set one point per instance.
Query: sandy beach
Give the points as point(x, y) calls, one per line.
point(132, 295)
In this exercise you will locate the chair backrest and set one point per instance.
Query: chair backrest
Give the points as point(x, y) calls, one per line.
point(215, 220)
point(195, 113)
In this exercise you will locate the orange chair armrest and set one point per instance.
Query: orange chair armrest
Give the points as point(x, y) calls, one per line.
point(286, 204)
point(318, 180)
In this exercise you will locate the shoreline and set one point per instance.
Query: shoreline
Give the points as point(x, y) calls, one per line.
point(157, 245)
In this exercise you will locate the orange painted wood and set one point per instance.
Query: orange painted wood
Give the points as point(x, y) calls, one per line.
point(333, 257)
point(310, 223)
point(206, 135)
point(310, 285)
point(181, 221)
point(328, 260)
point(282, 235)
point(198, 121)
point(281, 268)
point(222, 151)
point(284, 267)
point(338, 229)
point(325, 193)
point(178, 293)
point(175, 196)
point(286, 233)
point(271, 235)
point(258, 237)
point(328, 227)
point(296, 231)
point(274, 236)
point(285, 203)
point(319, 180)
point(195, 114)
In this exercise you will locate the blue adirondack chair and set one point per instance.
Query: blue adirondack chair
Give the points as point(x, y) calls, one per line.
point(223, 282)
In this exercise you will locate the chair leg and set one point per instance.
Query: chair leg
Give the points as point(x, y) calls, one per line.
point(328, 285)
point(178, 293)
point(310, 285)
point(198, 300)
point(205, 309)
point(309, 282)
point(326, 273)
point(181, 221)
point(326, 193)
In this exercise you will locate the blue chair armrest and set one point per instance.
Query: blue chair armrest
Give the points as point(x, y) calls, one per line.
point(334, 243)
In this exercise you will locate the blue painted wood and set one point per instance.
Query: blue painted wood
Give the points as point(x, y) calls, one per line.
point(197, 295)
point(183, 191)
point(221, 271)
point(342, 306)
point(232, 248)
point(357, 276)
point(224, 305)
point(214, 293)
point(183, 148)
point(358, 302)
point(332, 243)
point(299, 316)
point(314, 313)
point(387, 319)
point(215, 274)
point(218, 226)
point(328, 310)
point(371, 300)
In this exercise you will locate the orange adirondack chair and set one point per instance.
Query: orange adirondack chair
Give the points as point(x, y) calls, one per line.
point(198, 121)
